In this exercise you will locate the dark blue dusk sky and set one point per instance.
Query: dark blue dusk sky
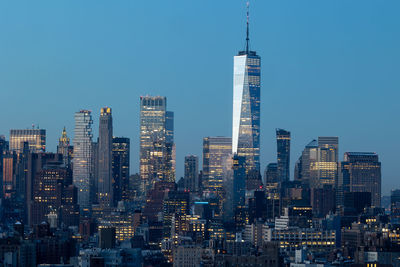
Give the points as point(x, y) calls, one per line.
point(329, 68)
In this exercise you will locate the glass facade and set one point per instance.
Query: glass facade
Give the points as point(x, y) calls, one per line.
point(104, 167)
point(318, 164)
point(120, 167)
point(217, 152)
point(283, 153)
point(324, 170)
point(246, 108)
point(157, 149)
point(82, 162)
point(36, 139)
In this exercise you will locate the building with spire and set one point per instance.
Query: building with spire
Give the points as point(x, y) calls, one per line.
point(246, 105)
point(65, 148)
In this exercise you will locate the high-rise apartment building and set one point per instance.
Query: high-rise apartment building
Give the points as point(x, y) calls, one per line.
point(156, 141)
point(361, 172)
point(246, 106)
point(191, 175)
point(104, 157)
point(283, 154)
point(216, 155)
point(170, 146)
point(36, 139)
point(65, 148)
point(120, 168)
point(82, 162)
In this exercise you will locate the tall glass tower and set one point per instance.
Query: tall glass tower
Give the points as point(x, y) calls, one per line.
point(246, 106)
point(157, 158)
point(283, 153)
point(82, 162)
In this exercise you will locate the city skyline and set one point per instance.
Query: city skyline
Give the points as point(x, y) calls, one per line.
point(304, 128)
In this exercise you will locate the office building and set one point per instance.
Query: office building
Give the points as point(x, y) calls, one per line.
point(362, 173)
point(324, 170)
point(318, 164)
point(271, 173)
point(104, 167)
point(246, 106)
point(35, 163)
point(239, 181)
point(65, 148)
point(283, 154)
point(156, 135)
point(36, 139)
point(216, 156)
point(308, 156)
point(191, 177)
point(120, 168)
point(48, 191)
point(395, 205)
point(82, 162)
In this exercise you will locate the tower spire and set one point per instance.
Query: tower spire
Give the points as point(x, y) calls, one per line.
point(247, 28)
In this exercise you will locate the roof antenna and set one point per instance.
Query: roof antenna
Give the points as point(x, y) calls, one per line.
point(247, 29)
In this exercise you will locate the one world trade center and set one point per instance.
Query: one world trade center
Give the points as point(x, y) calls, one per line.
point(246, 106)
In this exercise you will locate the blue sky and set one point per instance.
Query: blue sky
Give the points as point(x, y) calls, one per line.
point(329, 68)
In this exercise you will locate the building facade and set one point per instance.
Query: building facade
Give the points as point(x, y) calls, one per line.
point(104, 167)
point(120, 168)
point(191, 176)
point(283, 154)
point(65, 148)
point(82, 162)
point(156, 142)
point(216, 155)
point(362, 173)
point(246, 106)
point(36, 139)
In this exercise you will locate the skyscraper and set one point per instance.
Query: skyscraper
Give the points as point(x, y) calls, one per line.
point(191, 178)
point(216, 154)
point(82, 162)
point(246, 105)
point(361, 172)
point(271, 173)
point(308, 156)
point(318, 164)
point(156, 135)
point(283, 153)
point(170, 146)
point(104, 176)
point(36, 139)
point(120, 167)
point(324, 170)
point(65, 148)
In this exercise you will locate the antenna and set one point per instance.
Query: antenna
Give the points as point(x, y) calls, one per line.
point(247, 29)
